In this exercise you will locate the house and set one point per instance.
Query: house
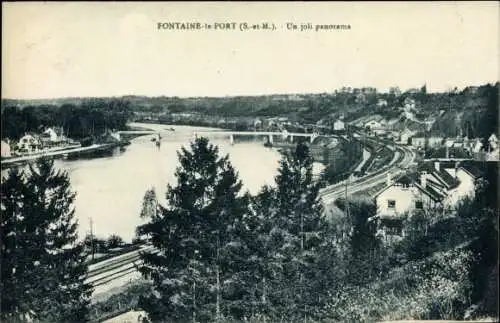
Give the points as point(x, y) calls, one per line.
point(438, 178)
point(435, 141)
point(418, 142)
point(466, 173)
point(5, 147)
point(449, 142)
point(377, 125)
point(409, 103)
point(52, 136)
point(339, 125)
point(434, 184)
point(493, 141)
point(381, 103)
point(49, 134)
point(373, 124)
point(477, 146)
point(29, 143)
point(405, 135)
point(407, 194)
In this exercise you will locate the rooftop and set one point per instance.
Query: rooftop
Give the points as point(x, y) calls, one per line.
point(449, 181)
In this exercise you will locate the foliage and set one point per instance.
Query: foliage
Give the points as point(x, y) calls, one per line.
point(301, 248)
point(194, 234)
point(43, 266)
point(429, 289)
point(114, 241)
point(89, 118)
point(128, 299)
point(344, 160)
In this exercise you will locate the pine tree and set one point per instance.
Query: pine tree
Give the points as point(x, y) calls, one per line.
point(41, 252)
point(16, 267)
point(192, 234)
point(246, 260)
point(299, 239)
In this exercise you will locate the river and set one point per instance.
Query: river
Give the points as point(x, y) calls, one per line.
point(110, 189)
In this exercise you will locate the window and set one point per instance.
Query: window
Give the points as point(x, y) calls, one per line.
point(419, 205)
point(391, 204)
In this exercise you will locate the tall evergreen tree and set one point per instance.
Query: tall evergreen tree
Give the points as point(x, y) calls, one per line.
point(248, 254)
point(192, 234)
point(40, 252)
point(16, 267)
point(299, 239)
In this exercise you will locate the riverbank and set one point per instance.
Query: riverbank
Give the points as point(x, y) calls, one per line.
point(63, 153)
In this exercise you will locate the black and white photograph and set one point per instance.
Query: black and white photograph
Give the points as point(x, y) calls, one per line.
point(227, 162)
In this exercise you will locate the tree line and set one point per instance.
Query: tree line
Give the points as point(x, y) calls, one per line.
point(91, 117)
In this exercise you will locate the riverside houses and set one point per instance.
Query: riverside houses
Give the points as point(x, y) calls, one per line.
point(29, 143)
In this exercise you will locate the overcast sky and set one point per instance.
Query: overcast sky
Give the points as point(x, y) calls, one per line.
point(113, 49)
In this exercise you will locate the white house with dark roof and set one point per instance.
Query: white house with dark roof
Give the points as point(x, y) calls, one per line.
point(401, 198)
point(435, 184)
point(466, 173)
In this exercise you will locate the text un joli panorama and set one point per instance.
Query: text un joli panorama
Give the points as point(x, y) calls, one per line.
point(244, 26)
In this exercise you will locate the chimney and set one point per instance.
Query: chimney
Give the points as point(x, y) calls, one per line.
point(389, 182)
point(437, 166)
point(447, 152)
point(456, 169)
point(423, 179)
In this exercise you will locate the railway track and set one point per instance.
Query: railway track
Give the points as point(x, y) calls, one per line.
point(403, 157)
point(109, 270)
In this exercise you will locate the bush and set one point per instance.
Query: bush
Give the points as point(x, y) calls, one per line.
point(434, 288)
point(114, 241)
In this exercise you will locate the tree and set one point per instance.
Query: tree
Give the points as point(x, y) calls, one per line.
point(40, 253)
point(114, 241)
point(300, 242)
point(192, 234)
point(362, 240)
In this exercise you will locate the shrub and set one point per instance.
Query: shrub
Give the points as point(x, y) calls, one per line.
point(114, 241)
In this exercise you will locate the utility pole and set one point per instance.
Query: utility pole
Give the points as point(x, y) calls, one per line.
point(91, 237)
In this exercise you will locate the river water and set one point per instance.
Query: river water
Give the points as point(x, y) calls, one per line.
point(110, 189)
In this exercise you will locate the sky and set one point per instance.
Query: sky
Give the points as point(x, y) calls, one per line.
point(52, 50)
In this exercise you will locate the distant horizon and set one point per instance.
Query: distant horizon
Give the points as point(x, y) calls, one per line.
point(382, 91)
